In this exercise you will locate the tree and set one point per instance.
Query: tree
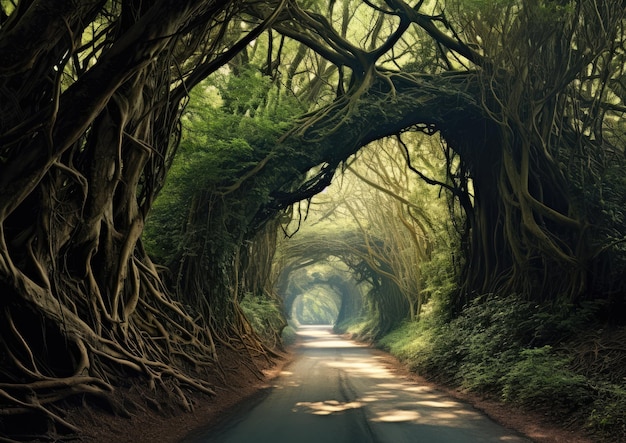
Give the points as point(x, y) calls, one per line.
point(546, 90)
point(530, 100)
point(381, 223)
point(528, 94)
point(405, 229)
point(92, 95)
point(214, 258)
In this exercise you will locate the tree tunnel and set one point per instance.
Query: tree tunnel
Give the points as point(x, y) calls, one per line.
point(337, 275)
point(108, 99)
point(322, 292)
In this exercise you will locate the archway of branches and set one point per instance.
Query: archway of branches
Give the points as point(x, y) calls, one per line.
point(322, 289)
point(316, 302)
point(529, 95)
point(341, 263)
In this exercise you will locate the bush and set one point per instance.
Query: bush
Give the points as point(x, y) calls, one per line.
point(608, 412)
point(541, 380)
point(476, 349)
point(493, 332)
point(289, 335)
point(490, 349)
point(361, 328)
point(506, 348)
point(265, 317)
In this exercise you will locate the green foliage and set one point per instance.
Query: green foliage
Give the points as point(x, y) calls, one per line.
point(288, 336)
point(410, 340)
point(265, 316)
point(562, 320)
point(599, 190)
point(540, 379)
point(473, 350)
point(506, 348)
point(227, 132)
point(492, 332)
point(481, 5)
point(362, 328)
point(428, 347)
point(245, 92)
point(7, 6)
point(440, 282)
point(608, 412)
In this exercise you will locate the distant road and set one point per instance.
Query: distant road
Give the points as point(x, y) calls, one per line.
point(338, 391)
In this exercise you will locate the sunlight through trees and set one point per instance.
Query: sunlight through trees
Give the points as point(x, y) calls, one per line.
point(441, 151)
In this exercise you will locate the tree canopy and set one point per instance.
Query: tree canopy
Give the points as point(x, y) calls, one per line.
point(527, 100)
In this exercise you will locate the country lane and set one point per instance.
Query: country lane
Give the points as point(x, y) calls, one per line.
point(340, 391)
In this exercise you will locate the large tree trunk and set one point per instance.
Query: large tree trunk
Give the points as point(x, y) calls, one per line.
point(91, 97)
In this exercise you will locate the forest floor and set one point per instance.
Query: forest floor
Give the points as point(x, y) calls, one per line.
point(169, 426)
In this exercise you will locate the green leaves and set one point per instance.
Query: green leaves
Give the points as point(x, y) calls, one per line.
point(214, 187)
point(541, 377)
point(265, 316)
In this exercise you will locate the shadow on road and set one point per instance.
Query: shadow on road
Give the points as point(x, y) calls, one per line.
point(337, 390)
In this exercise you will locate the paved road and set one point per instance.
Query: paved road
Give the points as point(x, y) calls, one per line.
point(338, 391)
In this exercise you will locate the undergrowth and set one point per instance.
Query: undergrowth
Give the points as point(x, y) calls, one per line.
point(360, 328)
point(289, 335)
point(265, 316)
point(515, 351)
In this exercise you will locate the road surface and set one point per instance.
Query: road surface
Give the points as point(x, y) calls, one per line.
point(339, 391)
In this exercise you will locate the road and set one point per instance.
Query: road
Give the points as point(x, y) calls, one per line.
point(339, 391)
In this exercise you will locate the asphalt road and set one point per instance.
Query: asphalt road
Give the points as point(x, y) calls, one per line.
point(338, 391)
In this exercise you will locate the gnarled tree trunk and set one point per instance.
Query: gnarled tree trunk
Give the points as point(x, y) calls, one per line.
point(91, 97)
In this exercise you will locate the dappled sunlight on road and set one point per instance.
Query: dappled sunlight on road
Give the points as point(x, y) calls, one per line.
point(337, 391)
point(397, 415)
point(387, 400)
point(322, 337)
point(375, 389)
point(439, 404)
point(376, 396)
point(328, 344)
point(361, 367)
point(326, 407)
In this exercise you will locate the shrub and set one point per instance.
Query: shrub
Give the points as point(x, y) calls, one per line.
point(265, 317)
point(542, 380)
point(608, 412)
point(361, 328)
point(289, 335)
point(405, 342)
point(506, 348)
point(493, 332)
